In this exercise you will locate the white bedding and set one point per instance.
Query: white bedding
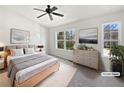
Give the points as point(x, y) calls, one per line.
point(14, 57)
point(24, 74)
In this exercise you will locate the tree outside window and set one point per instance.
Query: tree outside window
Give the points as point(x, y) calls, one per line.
point(65, 40)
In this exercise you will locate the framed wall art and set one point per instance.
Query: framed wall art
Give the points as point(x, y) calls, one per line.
point(88, 36)
point(18, 36)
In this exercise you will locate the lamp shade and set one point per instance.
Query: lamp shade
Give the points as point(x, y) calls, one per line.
point(2, 44)
point(40, 46)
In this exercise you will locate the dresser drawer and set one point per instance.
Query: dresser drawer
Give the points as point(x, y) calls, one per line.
point(93, 65)
point(87, 58)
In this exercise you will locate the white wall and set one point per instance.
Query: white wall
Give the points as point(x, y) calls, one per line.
point(10, 19)
point(88, 23)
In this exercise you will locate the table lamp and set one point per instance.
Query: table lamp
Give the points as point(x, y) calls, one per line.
point(1, 48)
point(40, 46)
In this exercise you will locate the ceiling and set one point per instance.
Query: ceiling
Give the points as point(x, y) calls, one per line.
point(71, 13)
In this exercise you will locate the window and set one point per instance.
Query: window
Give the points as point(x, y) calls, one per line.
point(65, 40)
point(60, 40)
point(111, 36)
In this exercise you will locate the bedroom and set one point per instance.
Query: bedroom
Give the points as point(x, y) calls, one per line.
point(59, 38)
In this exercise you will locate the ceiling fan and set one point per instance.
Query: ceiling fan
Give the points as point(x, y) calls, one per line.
point(49, 11)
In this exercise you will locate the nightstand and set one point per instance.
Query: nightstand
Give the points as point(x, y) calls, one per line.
point(2, 63)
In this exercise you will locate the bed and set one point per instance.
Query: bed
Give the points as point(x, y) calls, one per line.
point(29, 69)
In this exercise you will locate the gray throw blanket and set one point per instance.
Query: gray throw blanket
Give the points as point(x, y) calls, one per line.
point(24, 62)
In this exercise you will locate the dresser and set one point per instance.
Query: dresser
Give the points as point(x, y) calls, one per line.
point(87, 58)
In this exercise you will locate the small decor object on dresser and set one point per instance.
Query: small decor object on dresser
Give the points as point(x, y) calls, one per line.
point(84, 47)
point(19, 36)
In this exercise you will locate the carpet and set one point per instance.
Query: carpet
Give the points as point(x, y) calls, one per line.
point(60, 78)
point(86, 77)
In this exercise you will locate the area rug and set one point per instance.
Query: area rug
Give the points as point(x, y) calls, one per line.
point(60, 78)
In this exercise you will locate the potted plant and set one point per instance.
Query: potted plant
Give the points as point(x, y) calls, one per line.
point(117, 58)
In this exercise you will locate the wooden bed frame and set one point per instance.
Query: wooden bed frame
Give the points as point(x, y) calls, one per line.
point(34, 80)
point(39, 77)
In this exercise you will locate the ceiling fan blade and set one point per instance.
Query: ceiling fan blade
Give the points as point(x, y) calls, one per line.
point(53, 9)
point(58, 14)
point(50, 16)
point(39, 9)
point(41, 15)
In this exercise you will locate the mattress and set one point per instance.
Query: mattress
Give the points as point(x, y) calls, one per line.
point(25, 74)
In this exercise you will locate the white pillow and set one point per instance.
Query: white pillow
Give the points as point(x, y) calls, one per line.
point(17, 52)
point(29, 51)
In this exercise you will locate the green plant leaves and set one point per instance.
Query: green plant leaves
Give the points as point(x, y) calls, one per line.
point(117, 54)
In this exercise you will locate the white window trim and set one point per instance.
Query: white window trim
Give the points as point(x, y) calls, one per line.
point(119, 35)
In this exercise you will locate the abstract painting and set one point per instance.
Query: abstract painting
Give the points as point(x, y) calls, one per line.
point(18, 36)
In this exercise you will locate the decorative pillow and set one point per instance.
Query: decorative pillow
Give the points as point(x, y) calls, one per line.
point(17, 52)
point(29, 50)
